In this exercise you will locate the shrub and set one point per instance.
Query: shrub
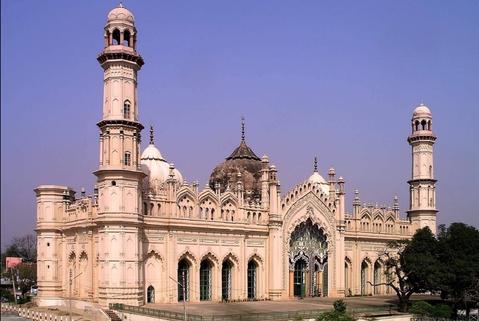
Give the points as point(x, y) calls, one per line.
point(334, 316)
point(339, 306)
point(421, 308)
point(441, 311)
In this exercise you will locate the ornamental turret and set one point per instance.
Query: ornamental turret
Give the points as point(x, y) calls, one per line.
point(422, 209)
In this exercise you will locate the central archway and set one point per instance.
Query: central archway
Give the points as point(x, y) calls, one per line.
point(308, 260)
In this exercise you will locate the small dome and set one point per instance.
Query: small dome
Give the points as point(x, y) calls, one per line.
point(120, 13)
point(422, 111)
point(151, 152)
point(316, 178)
point(155, 166)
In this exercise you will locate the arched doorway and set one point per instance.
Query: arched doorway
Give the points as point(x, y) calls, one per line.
point(307, 258)
point(150, 294)
point(377, 277)
point(226, 279)
point(325, 279)
point(347, 277)
point(364, 277)
point(252, 279)
point(205, 280)
point(183, 280)
point(300, 278)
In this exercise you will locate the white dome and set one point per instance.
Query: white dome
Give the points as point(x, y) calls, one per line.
point(156, 167)
point(316, 178)
point(422, 110)
point(151, 152)
point(120, 13)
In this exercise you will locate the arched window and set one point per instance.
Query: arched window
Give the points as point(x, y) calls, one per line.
point(116, 37)
point(126, 109)
point(152, 207)
point(226, 280)
point(205, 280)
point(423, 124)
point(417, 124)
point(126, 38)
point(252, 279)
point(429, 125)
point(127, 160)
point(145, 209)
point(150, 294)
point(183, 280)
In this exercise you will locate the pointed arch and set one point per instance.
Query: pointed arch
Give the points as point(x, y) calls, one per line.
point(188, 256)
point(210, 256)
point(233, 258)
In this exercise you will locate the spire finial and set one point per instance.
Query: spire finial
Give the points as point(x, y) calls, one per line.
point(121, 4)
point(152, 140)
point(242, 129)
point(315, 163)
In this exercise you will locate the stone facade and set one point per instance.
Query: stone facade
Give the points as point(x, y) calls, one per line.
point(146, 235)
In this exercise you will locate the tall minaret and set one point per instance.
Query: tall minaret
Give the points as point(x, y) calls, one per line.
point(119, 175)
point(422, 209)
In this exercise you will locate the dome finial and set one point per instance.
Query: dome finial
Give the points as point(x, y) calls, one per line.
point(152, 138)
point(315, 163)
point(120, 5)
point(242, 129)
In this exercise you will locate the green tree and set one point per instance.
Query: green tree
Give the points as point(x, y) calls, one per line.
point(412, 266)
point(459, 255)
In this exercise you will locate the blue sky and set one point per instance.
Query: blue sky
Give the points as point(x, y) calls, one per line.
point(336, 79)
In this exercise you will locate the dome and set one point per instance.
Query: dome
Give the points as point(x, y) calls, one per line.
point(155, 166)
point(242, 161)
point(120, 13)
point(316, 178)
point(422, 111)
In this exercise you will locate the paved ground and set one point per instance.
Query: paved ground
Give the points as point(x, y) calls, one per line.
point(379, 303)
point(9, 316)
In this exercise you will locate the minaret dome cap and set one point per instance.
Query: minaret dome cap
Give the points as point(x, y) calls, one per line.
point(119, 14)
point(422, 111)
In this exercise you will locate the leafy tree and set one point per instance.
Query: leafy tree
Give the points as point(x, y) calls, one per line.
point(459, 254)
point(412, 266)
point(24, 247)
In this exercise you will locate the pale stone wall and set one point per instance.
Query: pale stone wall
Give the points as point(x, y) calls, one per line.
point(144, 218)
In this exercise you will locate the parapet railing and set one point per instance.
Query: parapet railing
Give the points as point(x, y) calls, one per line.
point(266, 316)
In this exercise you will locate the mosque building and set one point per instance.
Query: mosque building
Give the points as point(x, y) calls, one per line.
point(147, 235)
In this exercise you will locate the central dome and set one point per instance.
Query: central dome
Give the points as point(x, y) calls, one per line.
point(242, 165)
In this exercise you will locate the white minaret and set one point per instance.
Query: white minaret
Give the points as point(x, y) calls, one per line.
point(119, 175)
point(422, 209)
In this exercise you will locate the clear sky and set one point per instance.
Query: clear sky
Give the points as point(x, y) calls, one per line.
point(337, 79)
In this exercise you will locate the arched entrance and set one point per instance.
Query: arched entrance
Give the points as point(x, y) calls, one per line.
point(364, 277)
point(308, 260)
point(150, 294)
